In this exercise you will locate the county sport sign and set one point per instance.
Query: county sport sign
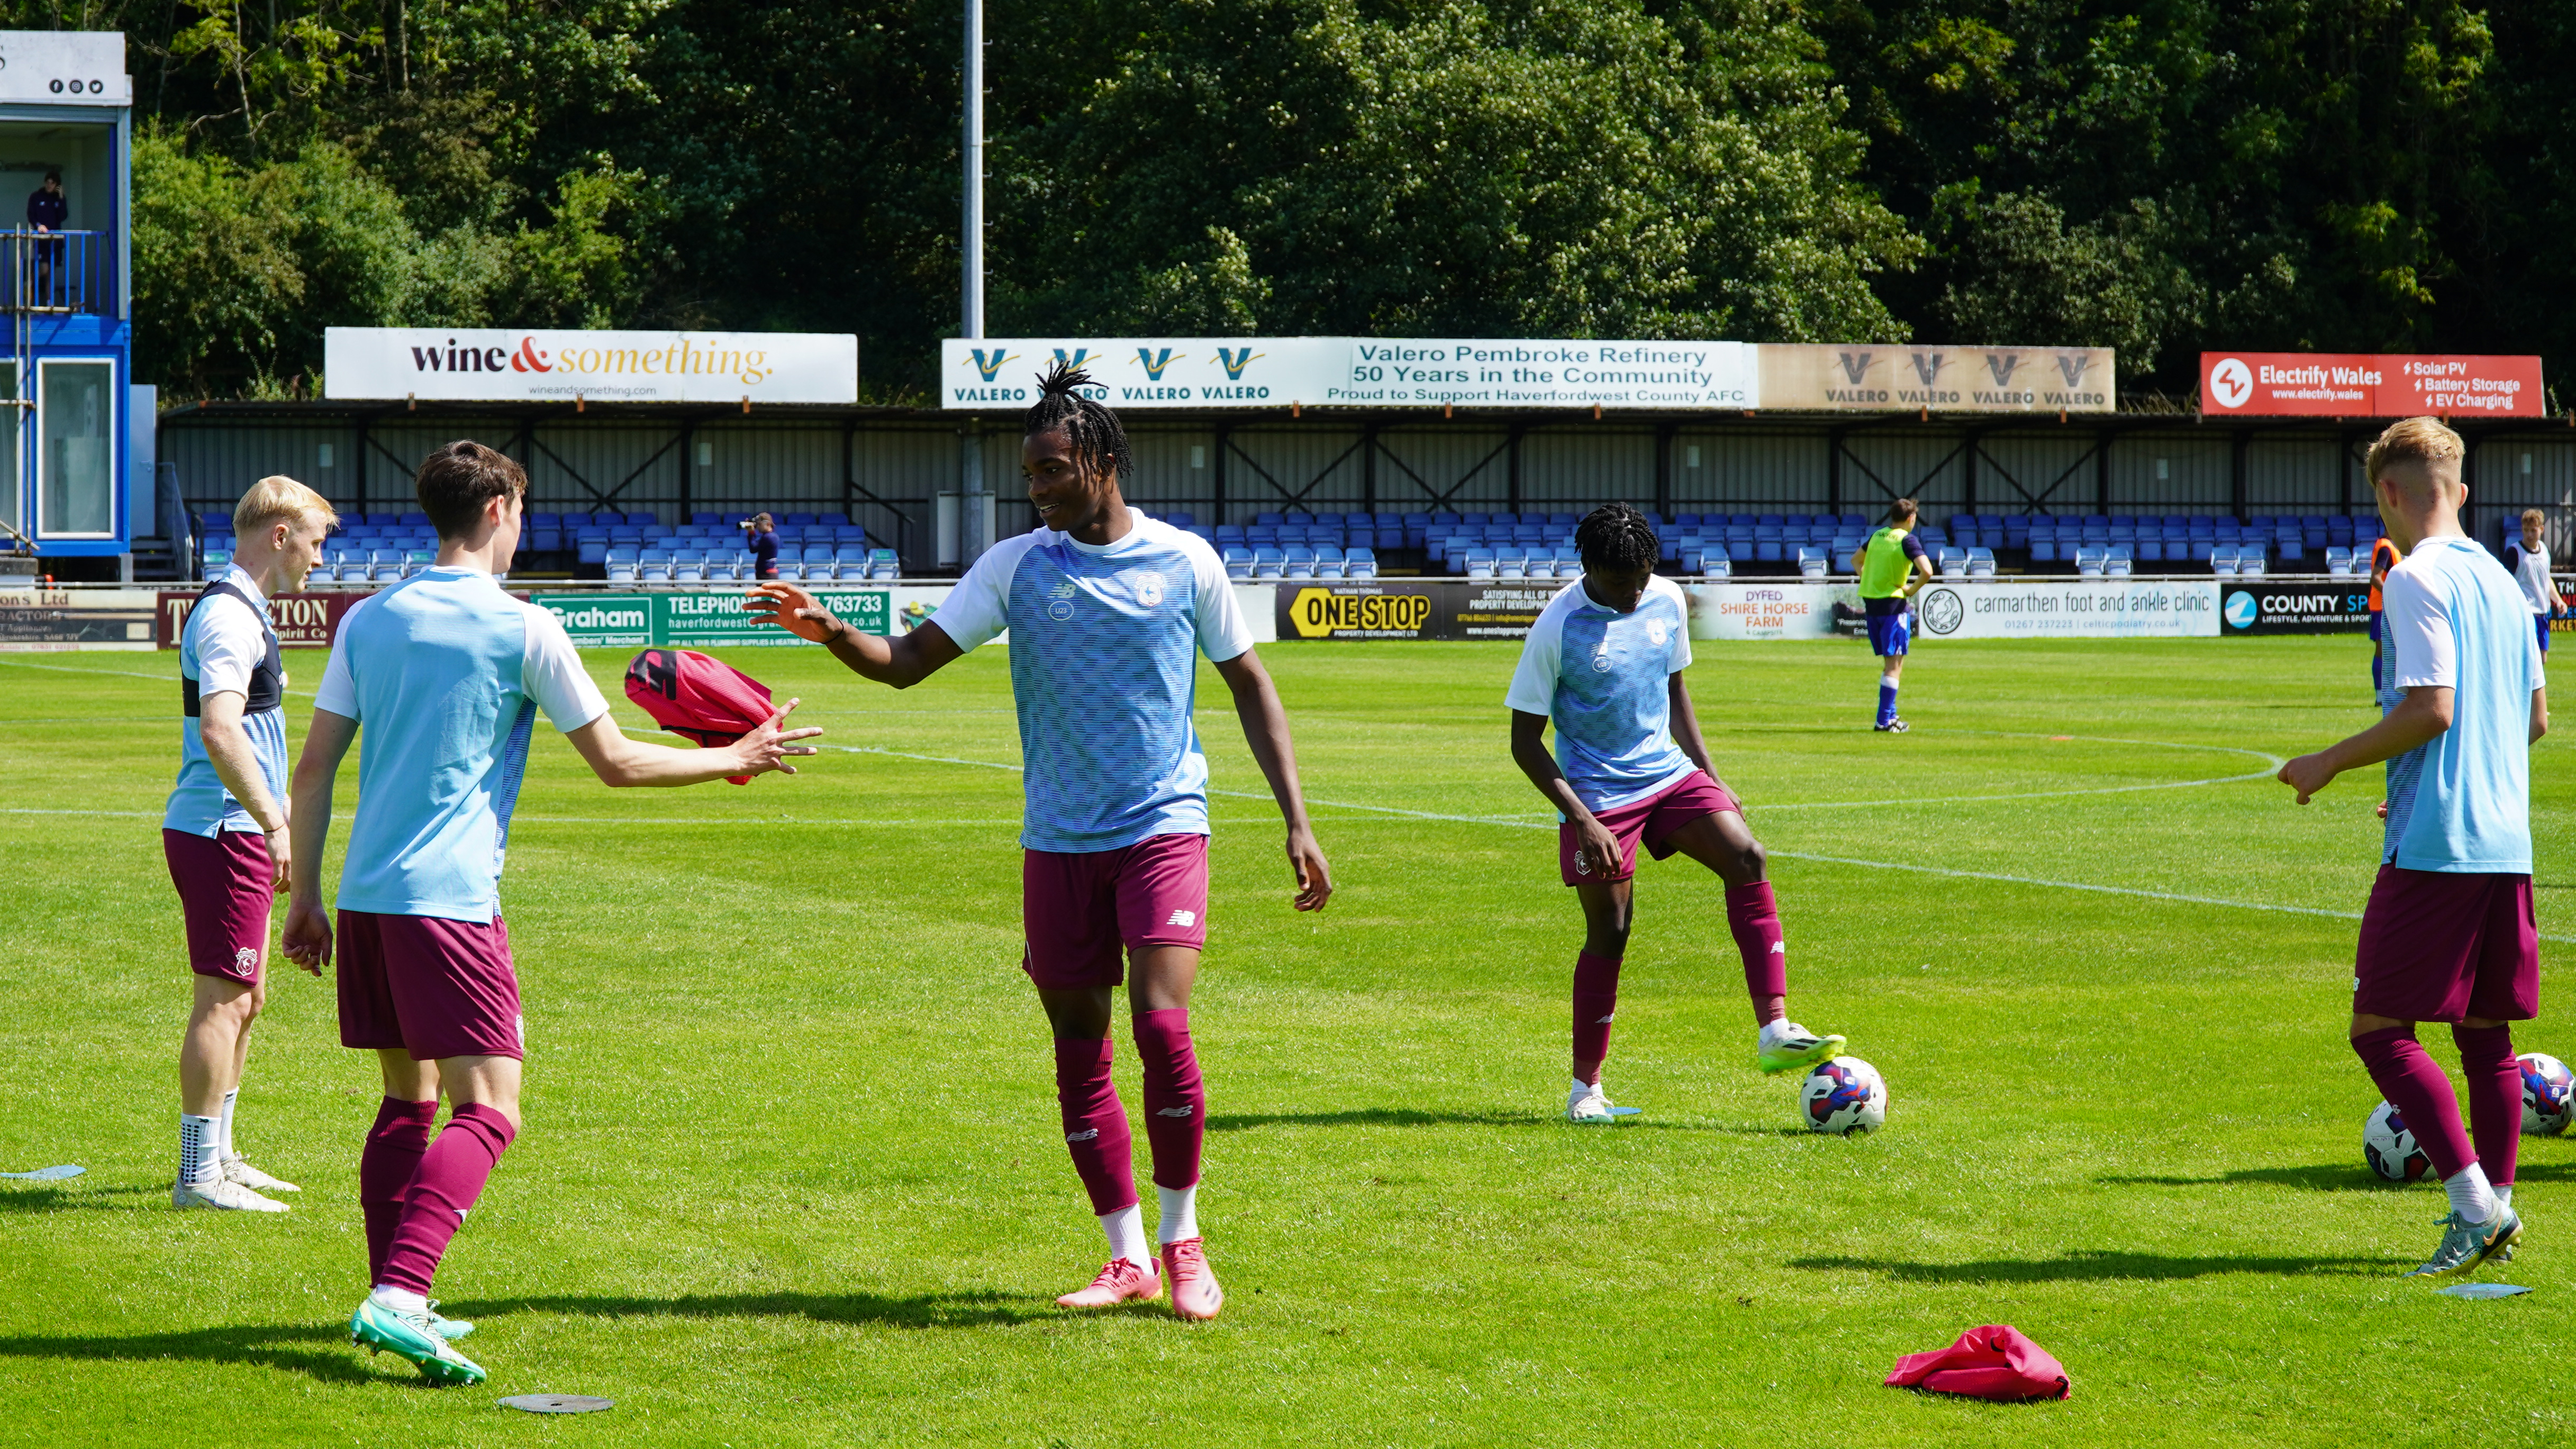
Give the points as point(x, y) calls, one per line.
point(511, 365)
point(2367, 385)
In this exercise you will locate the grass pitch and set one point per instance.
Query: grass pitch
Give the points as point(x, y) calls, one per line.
point(792, 1173)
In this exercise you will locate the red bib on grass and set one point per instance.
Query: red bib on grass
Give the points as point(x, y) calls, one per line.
point(1996, 1362)
point(689, 694)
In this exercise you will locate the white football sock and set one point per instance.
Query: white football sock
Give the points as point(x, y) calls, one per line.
point(1126, 1230)
point(198, 1159)
point(1178, 1221)
point(2471, 1198)
point(2504, 1194)
point(400, 1300)
point(1582, 1089)
point(224, 1134)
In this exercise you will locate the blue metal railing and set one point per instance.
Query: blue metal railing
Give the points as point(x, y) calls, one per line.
point(62, 273)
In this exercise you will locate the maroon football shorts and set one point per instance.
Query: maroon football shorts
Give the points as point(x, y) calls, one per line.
point(1652, 820)
point(1082, 908)
point(224, 896)
point(2439, 945)
point(429, 986)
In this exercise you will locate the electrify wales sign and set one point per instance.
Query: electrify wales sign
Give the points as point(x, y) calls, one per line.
point(511, 365)
point(2367, 385)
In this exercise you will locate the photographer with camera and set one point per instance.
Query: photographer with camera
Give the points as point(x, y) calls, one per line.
point(761, 538)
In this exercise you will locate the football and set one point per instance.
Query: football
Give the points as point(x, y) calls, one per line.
point(2392, 1150)
point(2548, 1094)
point(1843, 1096)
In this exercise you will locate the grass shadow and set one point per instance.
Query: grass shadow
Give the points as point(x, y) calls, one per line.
point(2097, 1266)
point(266, 1346)
point(46, 1198)
point(928, 1310)
point(2328, 1177)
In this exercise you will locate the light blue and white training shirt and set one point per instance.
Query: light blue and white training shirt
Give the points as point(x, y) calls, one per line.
point(444, 674)
point(1104, 646)
point(1604, 678)
point(226, 648)
point(2462, 801)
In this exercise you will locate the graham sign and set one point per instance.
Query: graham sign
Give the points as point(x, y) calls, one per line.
point(2367, 385)
point(1374, 372)
point(509, 365)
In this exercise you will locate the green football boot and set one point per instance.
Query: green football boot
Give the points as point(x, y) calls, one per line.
point(450, 1329)
point(2466, 1245)
point(1793, 1047)
point(377, 1328)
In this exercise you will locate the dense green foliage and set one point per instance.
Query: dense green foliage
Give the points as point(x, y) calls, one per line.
point(2153, 175)
point(793, 1175)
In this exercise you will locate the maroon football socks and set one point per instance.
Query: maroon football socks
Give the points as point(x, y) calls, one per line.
point(1095, 1123)
point(1596, 1000)
point(2410, 1081)
point(1754, 917)
point(451, 1176)
point(390, 1162)
point(1175, 1098)
point(2495, 1097)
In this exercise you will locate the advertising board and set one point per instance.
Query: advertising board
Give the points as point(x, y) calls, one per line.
point(2367, 385)
point(696, 619)
point(495, 364)
point(2287, 607)
point(1834, 377)
point(46, 619)
point(2068, 609)
point(1766, 609)
point(1411, 609)
point(1238, 372)
point(302, 621)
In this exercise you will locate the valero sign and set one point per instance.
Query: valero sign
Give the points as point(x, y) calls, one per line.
point(506, 365)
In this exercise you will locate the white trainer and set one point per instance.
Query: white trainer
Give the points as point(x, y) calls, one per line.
point(1589, 1106)
point(239, 1171)
point(222, 1193)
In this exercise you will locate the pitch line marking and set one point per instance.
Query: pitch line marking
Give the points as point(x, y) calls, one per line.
point(2069, 885)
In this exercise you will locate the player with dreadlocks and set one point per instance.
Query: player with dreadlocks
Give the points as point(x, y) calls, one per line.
point(1604, 662)
point(1107, 611)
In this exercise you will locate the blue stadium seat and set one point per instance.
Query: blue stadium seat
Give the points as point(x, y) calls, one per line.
point(1481, 563)
point(1812, 563)
point(1238, 562)
point(1952, 562)
point(1360, 563)
point(2091, 559)
point(621, 563)
point(1268, 562)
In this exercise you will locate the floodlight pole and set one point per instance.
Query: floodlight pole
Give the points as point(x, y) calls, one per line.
point(971, 541)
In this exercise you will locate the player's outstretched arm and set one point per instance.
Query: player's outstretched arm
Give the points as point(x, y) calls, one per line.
point(1599, 850)
point(1265, 729)
point(902, 661)
point(306, 938)
point(2418, 719)
point(620, 762)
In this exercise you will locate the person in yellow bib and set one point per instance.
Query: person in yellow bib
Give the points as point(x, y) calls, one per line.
point(1891, 566)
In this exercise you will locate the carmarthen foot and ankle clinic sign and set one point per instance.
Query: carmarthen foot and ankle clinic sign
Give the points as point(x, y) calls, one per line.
point(509, 365)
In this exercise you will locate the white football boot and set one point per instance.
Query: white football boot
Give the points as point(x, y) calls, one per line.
point(239, 1171)
point(221, 1193)
point(1588, 1106)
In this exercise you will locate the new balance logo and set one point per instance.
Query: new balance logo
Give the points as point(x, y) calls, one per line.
point(1175, 1111)
point(1779, 948)
point(1183, 918)
point(1083, 1136)
point(1605, 1021)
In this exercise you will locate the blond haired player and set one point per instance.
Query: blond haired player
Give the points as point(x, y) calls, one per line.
point(224, 831)
point(2448, 934)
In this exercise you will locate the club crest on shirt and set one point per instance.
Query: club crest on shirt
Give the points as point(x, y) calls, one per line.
point(1148, 589)
point(1655, 632)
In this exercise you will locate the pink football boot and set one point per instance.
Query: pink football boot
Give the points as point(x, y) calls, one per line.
point(1194, 1291)
point(1120, 1281)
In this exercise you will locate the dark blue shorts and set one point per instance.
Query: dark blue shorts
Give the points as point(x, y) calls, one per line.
point(1889, 634)
point(2374, 626)
point(2543, 621)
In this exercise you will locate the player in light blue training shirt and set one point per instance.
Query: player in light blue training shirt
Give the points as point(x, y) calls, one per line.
point(1108, 612)
point(439, 679)
point(1604, 664)
point(2449, 933)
